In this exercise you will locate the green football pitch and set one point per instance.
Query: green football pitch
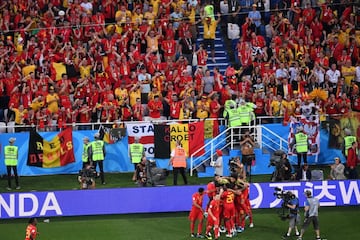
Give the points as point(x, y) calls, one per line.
point(335, 223)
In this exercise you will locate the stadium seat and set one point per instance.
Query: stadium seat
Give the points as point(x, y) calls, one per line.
point(10, 127)
point(317, 175)
point(2, 127)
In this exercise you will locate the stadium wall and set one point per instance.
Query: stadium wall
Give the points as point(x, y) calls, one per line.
point(117, 159)
point(161, 199)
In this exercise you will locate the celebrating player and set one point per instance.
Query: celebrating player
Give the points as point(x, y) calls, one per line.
point(197, 213)
point(31, 230)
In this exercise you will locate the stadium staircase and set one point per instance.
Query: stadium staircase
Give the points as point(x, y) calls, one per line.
point(221, 55)
point(267, 142)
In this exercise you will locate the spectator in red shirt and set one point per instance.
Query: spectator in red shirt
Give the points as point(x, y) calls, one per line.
point(175, 106)
point(85, 116)
point(214, 105)
point(138, 111)
point(155, 107)
point(352, 161)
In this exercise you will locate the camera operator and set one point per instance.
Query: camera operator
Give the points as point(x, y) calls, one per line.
point(87, 177)
point(292, 203)
point(140, 172)
point(285, 168)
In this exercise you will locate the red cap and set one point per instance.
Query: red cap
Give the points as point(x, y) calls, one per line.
point(219, 152)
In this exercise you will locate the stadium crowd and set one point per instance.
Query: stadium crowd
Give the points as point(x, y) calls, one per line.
point(102, 60)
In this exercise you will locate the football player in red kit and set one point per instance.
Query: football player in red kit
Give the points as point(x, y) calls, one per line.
point(228, 197)
point(197, 213)
point(213, 217)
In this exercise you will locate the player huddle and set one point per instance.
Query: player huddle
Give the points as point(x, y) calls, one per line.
point(227, 209)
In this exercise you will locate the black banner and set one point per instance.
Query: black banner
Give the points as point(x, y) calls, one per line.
point(162, 141)
point(35, 157)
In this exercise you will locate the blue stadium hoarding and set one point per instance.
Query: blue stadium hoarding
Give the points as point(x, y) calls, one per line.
point(161, 199)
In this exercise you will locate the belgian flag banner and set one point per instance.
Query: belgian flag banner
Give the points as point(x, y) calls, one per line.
point(191, 137)
point(49, 154)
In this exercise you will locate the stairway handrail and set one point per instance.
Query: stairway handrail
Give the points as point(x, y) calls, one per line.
point(275, 134)
point(203, 147)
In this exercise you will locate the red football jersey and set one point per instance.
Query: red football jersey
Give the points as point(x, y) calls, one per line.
point(30, 232)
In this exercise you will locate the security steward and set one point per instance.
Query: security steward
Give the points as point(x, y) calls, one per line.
point(231, 113)
point(85, 157)
point(96, 154)
point(178, 162)
point(136, 152)
point(11, 161)
point(246, 113)
point(348, 140)
point(301, 145)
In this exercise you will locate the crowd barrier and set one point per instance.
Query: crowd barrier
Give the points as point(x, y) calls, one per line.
point(161, 199)
point(117, 159)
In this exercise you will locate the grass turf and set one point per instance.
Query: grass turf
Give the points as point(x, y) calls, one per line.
point(113, 180)
point(335, 223)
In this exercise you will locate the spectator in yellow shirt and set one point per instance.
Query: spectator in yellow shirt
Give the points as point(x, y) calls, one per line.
point(276, 108)
point(152, 39)
point(135, 93)
point(122, 14)
point(121, 93)
point(202, 108)
point(37, 103)
point(19, 114)
point(52, 100)
point(209, 34)
point(150, 15)
point(348, 71)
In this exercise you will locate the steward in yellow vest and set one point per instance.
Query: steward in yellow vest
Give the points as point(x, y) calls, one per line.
point(232, 115)
point(96, 155)
point(11, 161)
point(85, 154)
point(348, 140)
point(136, 152)
point(302, 145)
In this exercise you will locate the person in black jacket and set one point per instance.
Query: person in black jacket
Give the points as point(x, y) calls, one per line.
point(303, 173)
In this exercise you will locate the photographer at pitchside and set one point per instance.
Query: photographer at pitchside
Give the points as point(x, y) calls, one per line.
point(87, 177)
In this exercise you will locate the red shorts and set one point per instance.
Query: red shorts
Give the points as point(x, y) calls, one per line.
point(196, 215)
point(211, 222)
point(229, 211)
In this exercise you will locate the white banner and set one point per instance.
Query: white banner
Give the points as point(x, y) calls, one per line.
point(145, 131)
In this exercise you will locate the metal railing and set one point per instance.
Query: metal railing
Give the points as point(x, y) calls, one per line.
point(281, 144)
point(11, 127)
point(271, 141)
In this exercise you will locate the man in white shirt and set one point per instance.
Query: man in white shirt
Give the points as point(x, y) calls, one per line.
point(281, 72)
point(218, 164)
point(333, 74)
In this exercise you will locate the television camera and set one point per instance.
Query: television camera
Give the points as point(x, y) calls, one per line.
point(286, 198)
point(278, 161)
point(87, 177)
point(156, 176)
